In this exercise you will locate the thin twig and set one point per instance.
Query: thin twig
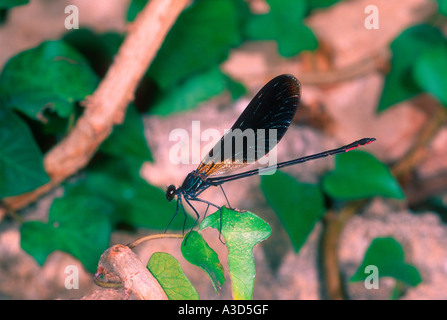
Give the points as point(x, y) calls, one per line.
point(352, 71)
point(150, 237)
point(333, 227)
point(417, 152)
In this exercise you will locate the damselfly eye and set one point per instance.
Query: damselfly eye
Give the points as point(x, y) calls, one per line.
point(170, 192)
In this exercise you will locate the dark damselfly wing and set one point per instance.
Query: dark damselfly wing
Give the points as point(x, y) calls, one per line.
point(251, 137)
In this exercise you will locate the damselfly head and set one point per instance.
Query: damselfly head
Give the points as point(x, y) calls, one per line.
point(170, 192)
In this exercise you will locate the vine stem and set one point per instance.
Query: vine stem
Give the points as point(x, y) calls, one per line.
point(150, 237)
point(417, 152)
point(333, 227)
point(107, 105)
point(375, 62)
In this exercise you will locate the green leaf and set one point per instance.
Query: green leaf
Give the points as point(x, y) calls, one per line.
point(430, 70)
point(291, 44)
point(318, 4)
point(78, 225)
point(197, 252)
point(406, 49)
point(136, 202)
point(359, 175)
point(298, 205)
point(241, 231)
point(51, 76)
point(442, 7)
point(236, 88)
point(98, 49)
point(187, 94)
point(135, 7)
point(190, 47)
point(127, 139)
point(283, 24)
point(388, 256)
point(21, 161)
point(168, 272)
point(259, 27)
point(7, 4)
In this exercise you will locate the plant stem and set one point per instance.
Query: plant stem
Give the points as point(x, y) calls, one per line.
point(417, 152)
point(139, 241)
point(333, 226)
point(358, 69)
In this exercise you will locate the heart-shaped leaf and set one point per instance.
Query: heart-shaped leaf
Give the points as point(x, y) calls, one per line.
point(189, 47)
point(298, 205)
point(399, 82)
point(51, 76)
point(241, 231)
point(359, 175)
point(128, 141)
point(168, 272)
point(187, 94)
point(78, 225)
point(196, 251)
point(21, 167)
point(430, 71)
point(388, 256)
point(283, 23)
